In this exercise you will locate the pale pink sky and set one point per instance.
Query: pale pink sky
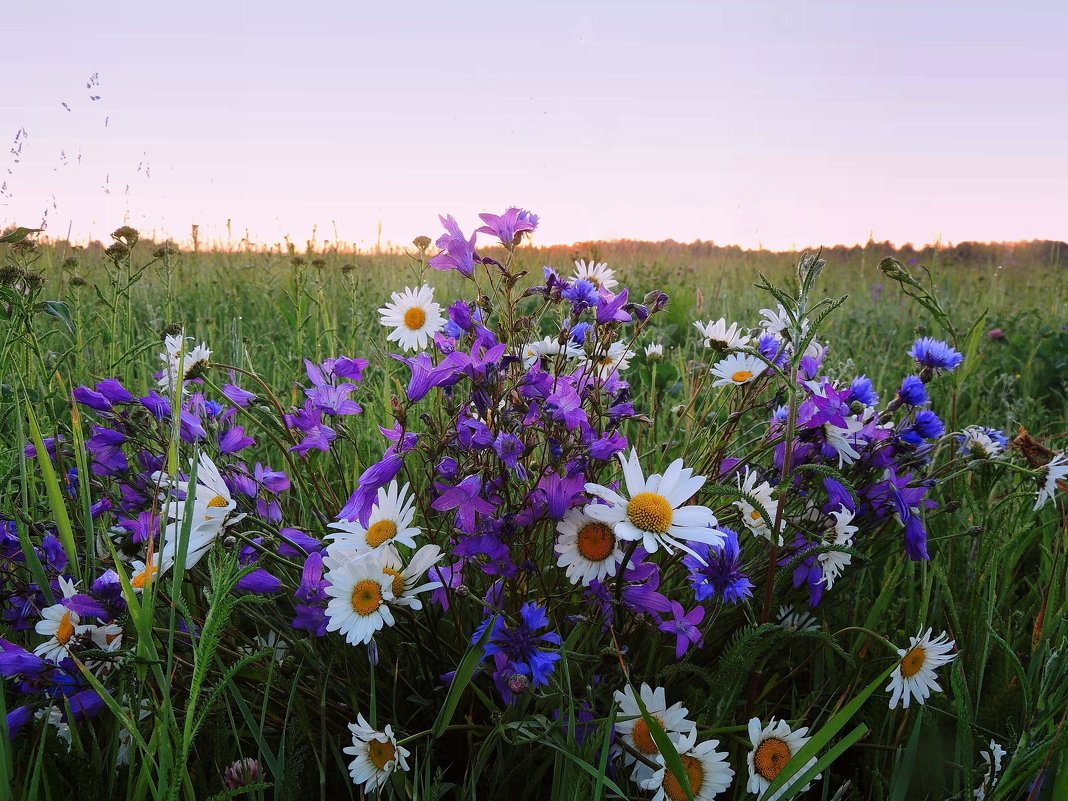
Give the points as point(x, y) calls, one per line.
point(760, 123)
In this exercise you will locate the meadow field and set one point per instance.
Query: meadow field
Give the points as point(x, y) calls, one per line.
point(172, 582)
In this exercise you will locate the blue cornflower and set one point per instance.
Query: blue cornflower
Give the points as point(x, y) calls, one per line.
point(938, 355)
point(519, 648)
point(913, 392)
point(719, 572)
point(863, 391)
point(928, 425)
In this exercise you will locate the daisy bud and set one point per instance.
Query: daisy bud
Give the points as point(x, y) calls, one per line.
point(229, 542)
point(518, 683)
point(462, 591)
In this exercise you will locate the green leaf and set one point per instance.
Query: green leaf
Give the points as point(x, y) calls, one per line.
point(18, 235)
point(59, 310)
point(55, 494)
point(464, 673)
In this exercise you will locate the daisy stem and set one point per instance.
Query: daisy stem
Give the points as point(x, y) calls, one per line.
point(870, 633)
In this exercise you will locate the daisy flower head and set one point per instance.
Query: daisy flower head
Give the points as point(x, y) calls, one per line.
point(654, 512)
point(719, 336)
point(654, 351)
point(1056, 470)
point(587, 549)
point(737, 369)
point(753, 517)
point(790, 617)
point(631, 726)
point(375, 755)
point(707, 772)
point(61, 626)
point(180, 363)
point(390, 523)
point(934, 354)
point(360, 592)
point(604, 364)
point(981, 442)
point(993, 759)
point(914, 677)
point(777, 322)
point(774, 746)
point(549, 346)
point(597, 273)
point(840, 533)
point(405, 578)
point(414, 317)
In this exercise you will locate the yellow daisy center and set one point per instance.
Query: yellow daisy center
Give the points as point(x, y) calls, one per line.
point(741, 376)
point(366, 597)
point(415, 318)
point(595, 542)
point(756, 515)
point(65, 630)
point(381, 753)
point(217, 502)
point(695, 772)
point(643, 738)
point(912, 662)
point(650, 512)
point(145, 576)
point(398, 581)
point(382, 531)
point(771, 757)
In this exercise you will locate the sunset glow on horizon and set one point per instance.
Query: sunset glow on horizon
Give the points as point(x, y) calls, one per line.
point(775, 124)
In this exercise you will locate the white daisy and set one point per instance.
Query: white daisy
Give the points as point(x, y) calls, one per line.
point(533, 351)
point(180, 363)
point(992, 758)
point(777, 321)
point(405, 578)
point(360, 592)
point(717, 335)
point(376, 755)
point(54, 716)
point(597, 273)
point(774, 746)
point(841, 533)
point(654, 351)
point(61, 626)
point(654, 512)
point(914, 677)
point(737, 369)
point(389, 523)
point(707, 770)
point(126, 740)
point(634, 731)
point(616, 359)
point(844, 440)
point(790, 617)
point(414, 317)
point(1056, 470)
point(976, 442)
point(588, 549)
point(142, 575)
point(752, 517)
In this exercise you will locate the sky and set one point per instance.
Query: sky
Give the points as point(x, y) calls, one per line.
point(776, 124)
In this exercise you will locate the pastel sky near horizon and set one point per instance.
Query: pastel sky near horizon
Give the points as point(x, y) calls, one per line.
point(781, 124)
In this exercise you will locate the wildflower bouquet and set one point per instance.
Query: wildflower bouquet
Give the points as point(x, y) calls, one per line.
point(531, 586)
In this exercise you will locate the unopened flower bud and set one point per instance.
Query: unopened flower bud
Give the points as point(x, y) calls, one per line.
point(518, 683)
point(243, 772)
